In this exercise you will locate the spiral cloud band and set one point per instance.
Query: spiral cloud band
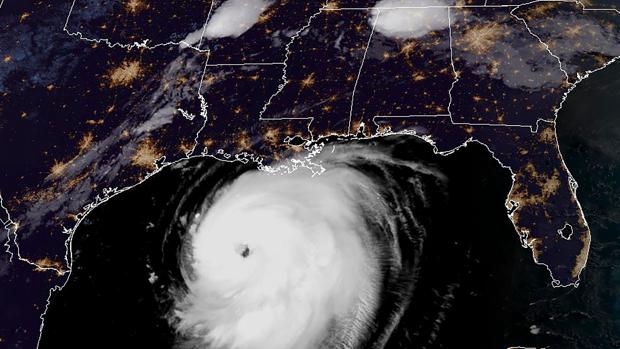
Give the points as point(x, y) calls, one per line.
point(378, 251)
point(298, 260)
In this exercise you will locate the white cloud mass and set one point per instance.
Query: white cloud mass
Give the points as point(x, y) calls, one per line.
point(404, 23)
point(279, 261)
point(235, 17)
point(193, 37)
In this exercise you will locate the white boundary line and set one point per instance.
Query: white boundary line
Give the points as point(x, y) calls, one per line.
point(456, 80)
point(144, 44)
point(572, 183)
point(359, 72)
point(485, 5)
point(284, 79)
point(109, 193)
point(522, 20)
point(410, 116)
point(136, 44)
point(243, 64)
point(9, 224)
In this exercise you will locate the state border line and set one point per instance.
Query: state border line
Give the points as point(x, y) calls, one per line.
point(136, 44)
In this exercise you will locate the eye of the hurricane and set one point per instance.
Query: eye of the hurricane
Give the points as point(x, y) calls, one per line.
point(243, 250)
point(282, 262)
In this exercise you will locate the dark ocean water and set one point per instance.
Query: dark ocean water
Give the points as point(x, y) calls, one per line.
point(461, 286)
point(589, 135)
point(588, 128)
point(477, 287)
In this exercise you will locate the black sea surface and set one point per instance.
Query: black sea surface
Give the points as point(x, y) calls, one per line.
point(588, 129)
point(477, 288)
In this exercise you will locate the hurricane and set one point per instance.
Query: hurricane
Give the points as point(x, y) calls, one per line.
point(364, 244)
point(301, 259)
